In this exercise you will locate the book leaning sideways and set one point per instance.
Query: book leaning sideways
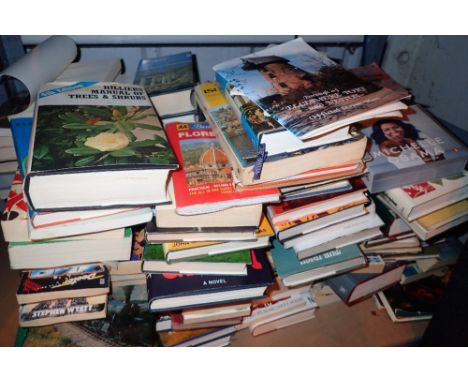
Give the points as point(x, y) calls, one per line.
point(96, 145)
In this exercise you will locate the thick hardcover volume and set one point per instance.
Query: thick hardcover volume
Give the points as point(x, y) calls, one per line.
point(411, 149)
point(302, 89)
point(205, 181)
point(92, 279)
point(95, 127)
point(287, 263)
point(354, 287)
point(161, 286)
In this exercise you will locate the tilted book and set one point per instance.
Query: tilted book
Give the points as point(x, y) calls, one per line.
point(170, 292)
point(303, 90)
point(243, 155)
point(52, 283)
point(412, 149)
point(205, 183)
point(418, 199)
point(96, 145)
point(294, 271)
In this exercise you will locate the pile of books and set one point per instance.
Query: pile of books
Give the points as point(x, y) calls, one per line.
point(308, 184)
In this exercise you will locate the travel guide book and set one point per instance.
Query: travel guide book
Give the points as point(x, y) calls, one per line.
point(303, 90)
point(205, 182)
point(96, 145)
point(411, 149)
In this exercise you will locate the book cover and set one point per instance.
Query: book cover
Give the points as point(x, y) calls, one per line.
point(205, 181)
point(21, 128)
point(287, 263)
point(165, 74)
point(411, 149)
point(62, 310)
point(85, 125)
point(15, 215)
point(164, 286)
point(301, 88)
point(354, 287)
point(417, 300)
point(418, 199)
point(79, 281)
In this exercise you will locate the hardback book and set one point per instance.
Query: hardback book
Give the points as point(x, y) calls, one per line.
point(62, 310)
point(219, 312)
point(182, 251)
point(204, 183)
point(412, 149)
point(178, 325)
point(434, 223)
point(112, 245)
point(242, 216)
point(384, 246)
point(295, 272)
point(395, 226)
point(196, 337)
point(375, 264)
point(169, 81)
point(262, 317)
point(328, 234)
point(171, 292)
point(251, 169)
point(414, 301)
point(155, 234)
point(231, 263)
point(311, 189)
point(65, 282)
point(317, 205)
point(419, 199)
point(20, 223)
point(354, 287)
point(96, 145)
point(303, 90)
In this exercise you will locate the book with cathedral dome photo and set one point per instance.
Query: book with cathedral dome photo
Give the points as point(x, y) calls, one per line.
point(204, 183)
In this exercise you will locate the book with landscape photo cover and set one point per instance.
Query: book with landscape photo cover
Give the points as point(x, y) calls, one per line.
point(169, 81)
point(52, 283)
point(169, 291)
point(205, 182)
point(411, 149)
point(243, 154)
point(302, 89)
point(96, 145)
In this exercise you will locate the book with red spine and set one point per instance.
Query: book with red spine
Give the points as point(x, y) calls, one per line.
point(204, 182)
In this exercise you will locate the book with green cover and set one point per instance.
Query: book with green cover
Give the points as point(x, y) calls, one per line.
point(154, 260)
point(96, 145)
point(294, 271)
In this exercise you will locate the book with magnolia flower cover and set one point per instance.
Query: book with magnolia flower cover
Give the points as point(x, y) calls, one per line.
point(96, 145)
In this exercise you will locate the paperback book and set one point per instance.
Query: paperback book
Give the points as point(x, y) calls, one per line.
point(302, 89)
point(412, 149)
point(204, 183)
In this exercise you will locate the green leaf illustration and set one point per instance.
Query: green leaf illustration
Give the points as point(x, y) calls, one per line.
point(97, 112)
point(125, 152)
point(77, 126)
point(86, 161)
point(147, 127)
point(41, 152)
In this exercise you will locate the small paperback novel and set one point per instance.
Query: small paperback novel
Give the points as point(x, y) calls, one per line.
point(54, 283)
point(205, 182)
point(197, 337)
point(417, 300)
point(412, 149)
point(303, 90)
point(419, 199)
point(355, 287)
point(96, 145)
point(169, 81)
point(295, 272)
point(171, 292)
point(62, 310)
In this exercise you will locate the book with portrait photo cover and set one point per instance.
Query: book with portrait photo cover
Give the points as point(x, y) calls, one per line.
point(414, 148)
